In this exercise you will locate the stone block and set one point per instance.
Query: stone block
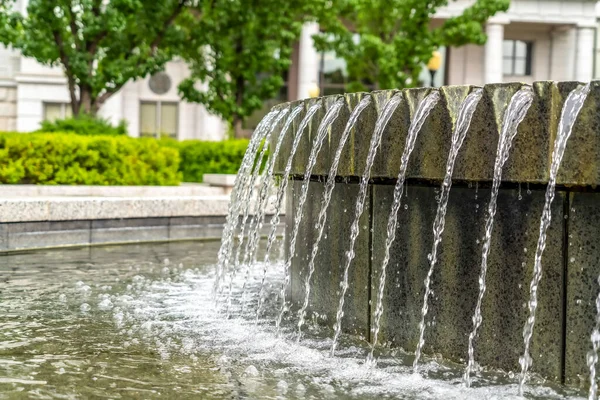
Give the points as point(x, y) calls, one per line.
point(581, 162)
point(130, 230)
point(583, 270)
point(30, 235)
point(455, 279)
point(325, 293)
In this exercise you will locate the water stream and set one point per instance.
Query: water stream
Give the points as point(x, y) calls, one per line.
point(514, 114)
point(282, 186)
point(570, 110)
point(463, 122)
point(380, 125)
point(263, 193)
point(330, 117)
point(239, 189)
point(421, 115)
point(329, 186)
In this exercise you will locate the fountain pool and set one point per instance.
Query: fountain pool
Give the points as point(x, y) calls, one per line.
point(138, 321)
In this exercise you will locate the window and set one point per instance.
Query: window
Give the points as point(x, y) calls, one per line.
point(158, 119)
point(517, 57)
point(54, 111)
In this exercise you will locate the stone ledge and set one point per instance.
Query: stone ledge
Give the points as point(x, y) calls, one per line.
point(185, 189)
point(95, 208)
point(528, 162)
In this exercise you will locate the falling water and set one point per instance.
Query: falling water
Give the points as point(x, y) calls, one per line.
point(458, 136)
point(422, 113)
point(265, 186)
point(592, 356)
point(380, 125)
point(247, 206)
point(237, 194)
point(328, 119)
point(250, 253)
point(514, 114)
point(571, 109)
point(329, 186)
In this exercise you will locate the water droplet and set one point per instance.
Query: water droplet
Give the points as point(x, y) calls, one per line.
point(572, 259)
point(282, 387)
point(62, 298)
point(85, 307)
point(406, 206)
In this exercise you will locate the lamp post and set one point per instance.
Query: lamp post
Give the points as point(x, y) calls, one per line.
point(434, 63)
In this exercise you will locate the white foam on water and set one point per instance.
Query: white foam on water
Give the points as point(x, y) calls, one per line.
point(178, 316)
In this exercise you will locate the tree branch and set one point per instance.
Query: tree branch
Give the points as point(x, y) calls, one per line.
point(73, 27)
point(168, 22)
point(66, 64)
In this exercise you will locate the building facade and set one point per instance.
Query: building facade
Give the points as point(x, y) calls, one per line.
point(533, 40)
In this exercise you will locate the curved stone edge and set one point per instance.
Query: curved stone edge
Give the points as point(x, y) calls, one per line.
point(529, 160)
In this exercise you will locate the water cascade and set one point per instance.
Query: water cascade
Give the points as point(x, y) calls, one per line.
point(263, 194)
point(458, 136)
point(238, 192)
point(284, 181)
point(321, 220)
point(415, 127)
point(322, 131)
point(387, 113)
point(571, 109)
point(344, 164)
point(514, 114)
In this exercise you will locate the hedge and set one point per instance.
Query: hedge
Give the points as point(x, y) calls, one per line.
point(58, 158)
point(202, 157)
point(84, 125)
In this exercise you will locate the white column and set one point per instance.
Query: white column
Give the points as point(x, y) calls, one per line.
point(584, 54)
point(563, 54)
point(308, 73)
point(492, 70)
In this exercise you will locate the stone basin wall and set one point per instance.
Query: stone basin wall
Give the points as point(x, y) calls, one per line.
point(571, 262)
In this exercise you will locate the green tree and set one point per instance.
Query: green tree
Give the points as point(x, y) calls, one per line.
point(239, 54)
point(386, 42)
point(100, 45)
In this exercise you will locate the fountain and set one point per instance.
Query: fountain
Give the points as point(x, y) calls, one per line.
point(367, 176)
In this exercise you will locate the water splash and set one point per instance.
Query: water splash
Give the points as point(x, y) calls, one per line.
point(328, 119)
point(265, 188)
point(570, 110)
point(421, 115)
point(248, 194)
point(239, 188)
point(380, 125)
point(329, 186)
point(467, 109)
point(592, 356)
point(513, 116)
point(281, 190)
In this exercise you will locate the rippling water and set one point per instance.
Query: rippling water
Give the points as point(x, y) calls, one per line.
point(138, 322)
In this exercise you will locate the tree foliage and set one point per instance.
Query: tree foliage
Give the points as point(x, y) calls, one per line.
point(386, 42)
point(238, 55)
point(100, 45)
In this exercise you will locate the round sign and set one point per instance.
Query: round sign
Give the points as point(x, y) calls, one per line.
point(160, 83)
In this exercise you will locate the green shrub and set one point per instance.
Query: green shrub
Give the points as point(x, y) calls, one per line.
point(58, 158)
point(200, 157)
point(84, 125)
